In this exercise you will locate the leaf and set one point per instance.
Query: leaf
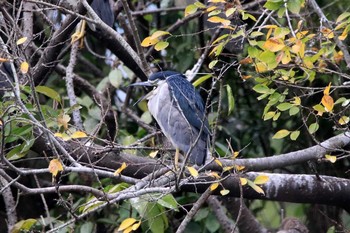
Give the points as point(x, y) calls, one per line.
point(313, 128)
point(49, 92)
point(256, 187)
point(230, 11)
point(126, 223)
point(294, 6)
point(199, 4)
point(239, 167)
point(218, 162)
point(217, 19)
point(217, 1)
point(55, 166)
point(23, 225)
point(24, 67)
point(149, 42)
point(344, 120)
point(168, 201)
point(201, 80)
point(294, 135)
point(262, 89)
point(120, 169)
point(261, 179)
point(153, 154)
point(269, 115)
point(327, 89)
point(274, 45)
point(224, 192)
point(136, 225)
point(63, 120)
point(231, 99)
point(243, 181)
point(284, 106)
point(192, 171)
point(190, 9)
point(281, 134)
point(214, 186)
point(328, 103)
point(296, 101)
point(158, 34)
point(342, 16)
point(293, 110)
point(261, 67)
point(21, 40)
point(331, 158)
point(212, 64)
point(78, 134)
point(161, 45)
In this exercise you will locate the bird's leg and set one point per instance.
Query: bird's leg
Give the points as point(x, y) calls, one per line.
point(79, 34)
point(177, 155)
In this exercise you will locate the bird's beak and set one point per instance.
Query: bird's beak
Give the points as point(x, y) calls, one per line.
point(145, 84)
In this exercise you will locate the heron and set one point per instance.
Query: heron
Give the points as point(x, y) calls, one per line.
point(179, 110)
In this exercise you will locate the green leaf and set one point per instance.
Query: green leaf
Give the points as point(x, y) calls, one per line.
point(294, 110)
point(342, 17)
point(51, 93)
point(115, 78)
point(269, 115)
point(231, 99)
point(161, 45)
point(168, 201)
point(201, 80)
point(294, 6)
point(273, 5)
point(275, 117)
point(23, 225)
point(313, 128)
point(190, 9)
point(262, 89)
point(281, 134)
point(294, 135)
point(284, 106)
point(212, 64)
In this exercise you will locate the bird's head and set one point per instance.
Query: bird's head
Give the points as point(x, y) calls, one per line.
point(158, 78)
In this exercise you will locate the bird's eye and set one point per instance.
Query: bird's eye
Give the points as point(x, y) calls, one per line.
point(153, 82)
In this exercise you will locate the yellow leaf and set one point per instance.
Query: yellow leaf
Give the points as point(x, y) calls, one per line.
point(327, 32)
point(128, 230)
point(286, 57)
point(235, 154)
point(299, 48)
point(274, 45)
point(55, 166)
point(126, 223)
point(153, 154)
point(64, 136)
point(192, 171)
point(239, 167)
point(214, 174)
point(211, 8)
point(261, 67)
point(217, 19)
point(214, 186)
point(343, 35)
point(331, 158)
point(327, 89)
point(296, 101)
point(79, 134)
point(136, 225)
point(224, 192)
point(344, 120)
point(63, 120)
point(161, 45)
point(230, 11)
point(281, 134)
point(21, 40)
point(338, 57)
point(257, 188)
point(218, 162)
point(243, 181)
point(119, 170)
point(217, 1)
point(261, 179)
point(328, 103)
point(24, 67)
point(149, 42)
point(225, 169)
point(158, 34)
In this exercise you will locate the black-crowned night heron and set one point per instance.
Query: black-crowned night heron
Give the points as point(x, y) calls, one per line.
point(179, 110)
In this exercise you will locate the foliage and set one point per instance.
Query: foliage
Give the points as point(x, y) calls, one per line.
point(274, 77)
